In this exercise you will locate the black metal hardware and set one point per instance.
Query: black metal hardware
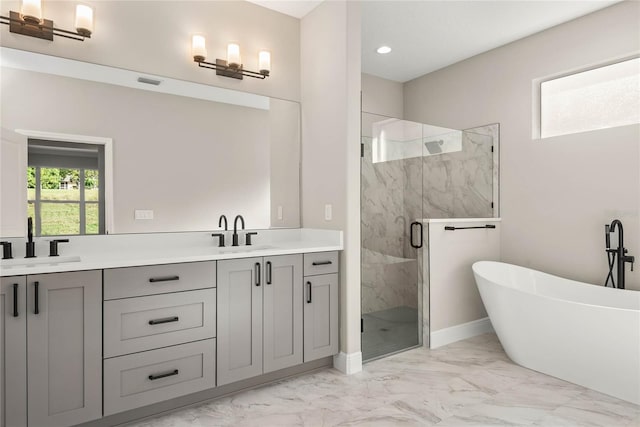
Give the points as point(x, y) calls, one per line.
point(15, 300)
point(269, 268)
point(220, 237)
point(247, 237)
point(36, 298)
point(165, 375)
point(164, 320)
point(309, 293)
point(235, 229)
point(321, 263)
point(164, 279)
point(6, 250)
point(42, 30)
point(449, 228)
point(492, 204)
point(361, 150)
point(361, 325)
point(257, 271)
point(619, 255)
point(223, 217)
point(419, 224)
point(222, 69)
point(31, 246)
point(53, 246)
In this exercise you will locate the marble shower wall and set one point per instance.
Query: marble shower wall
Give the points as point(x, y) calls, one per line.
point(459, 184)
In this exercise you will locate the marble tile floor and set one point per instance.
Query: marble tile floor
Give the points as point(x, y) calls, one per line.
point(388, 331)
point(468, 383)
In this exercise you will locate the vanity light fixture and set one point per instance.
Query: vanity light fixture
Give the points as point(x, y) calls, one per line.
point(29, 22)
point(232, 66)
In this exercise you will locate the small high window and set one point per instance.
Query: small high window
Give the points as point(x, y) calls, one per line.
point(64, 191)
point(599, 98)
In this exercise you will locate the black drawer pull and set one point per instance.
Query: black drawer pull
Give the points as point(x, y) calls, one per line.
point(451, 228)
point(321, 263)
point(15, 300)
point(165, 375)
point(269, 268)
point(36, 298)
point(309, 294)
point(164, 320)
point(164, 279)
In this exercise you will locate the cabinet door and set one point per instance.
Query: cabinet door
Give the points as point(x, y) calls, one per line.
point(282, 320)
point(239, 319)
point(13, 348)
point(64, 330)
point(320, 316)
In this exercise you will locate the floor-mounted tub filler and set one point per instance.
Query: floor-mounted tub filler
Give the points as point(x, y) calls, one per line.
point(582, 333)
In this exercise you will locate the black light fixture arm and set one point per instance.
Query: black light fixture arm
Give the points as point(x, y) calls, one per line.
point(223, 69)
point(43, 30)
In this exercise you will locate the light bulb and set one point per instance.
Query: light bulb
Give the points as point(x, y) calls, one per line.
point(31, 10)
point(84, 20)
point(198, 48)
point(264, 62)
point(233, 55)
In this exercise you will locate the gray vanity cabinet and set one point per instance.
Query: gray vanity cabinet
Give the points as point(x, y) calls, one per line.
point(282, 325)
point(321, 332)
point(239, 319)
point(64, 341)
point(259, 316)
point(13, 347)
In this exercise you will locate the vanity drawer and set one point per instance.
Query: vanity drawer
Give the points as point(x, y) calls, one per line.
point(320, 263)
point(158, 279)
point(145, 323)
point(141, 379)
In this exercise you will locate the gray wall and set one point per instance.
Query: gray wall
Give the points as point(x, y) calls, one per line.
point(557, 193)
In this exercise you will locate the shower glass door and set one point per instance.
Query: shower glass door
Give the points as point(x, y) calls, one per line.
point(391, 227)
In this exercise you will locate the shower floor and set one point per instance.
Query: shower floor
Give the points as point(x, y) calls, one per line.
point(388, 331)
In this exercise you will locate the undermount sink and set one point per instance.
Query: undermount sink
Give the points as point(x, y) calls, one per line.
point(252, 248)
point(32, 262)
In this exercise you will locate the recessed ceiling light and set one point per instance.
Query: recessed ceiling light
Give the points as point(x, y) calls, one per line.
point(383, 49)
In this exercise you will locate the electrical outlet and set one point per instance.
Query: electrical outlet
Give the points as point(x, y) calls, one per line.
point(280, 212)
point(328, 212)
point(143, 214)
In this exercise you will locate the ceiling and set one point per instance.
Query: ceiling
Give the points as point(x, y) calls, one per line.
point(427, 35)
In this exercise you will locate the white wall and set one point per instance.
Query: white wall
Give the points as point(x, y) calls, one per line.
point(330, 74)
point(557, 193)
point(155, 37)
point(381, 96)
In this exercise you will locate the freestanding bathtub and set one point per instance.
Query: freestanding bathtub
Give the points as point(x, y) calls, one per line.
point(582, 333)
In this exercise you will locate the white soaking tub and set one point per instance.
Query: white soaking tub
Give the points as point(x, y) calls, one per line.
point(582, 333)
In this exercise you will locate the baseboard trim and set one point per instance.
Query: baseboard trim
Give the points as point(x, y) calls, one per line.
point(460, 332)
point(348, 363)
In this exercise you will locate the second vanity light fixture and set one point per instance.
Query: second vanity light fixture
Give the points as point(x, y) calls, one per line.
point(232, 66)
point(29, 22)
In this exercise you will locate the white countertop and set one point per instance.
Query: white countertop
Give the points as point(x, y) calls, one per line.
point(129, 250)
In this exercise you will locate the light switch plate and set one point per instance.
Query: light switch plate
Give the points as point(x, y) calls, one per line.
point(328, 212)
point(143, 214)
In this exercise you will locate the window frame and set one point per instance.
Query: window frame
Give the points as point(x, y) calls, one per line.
point(536, 128)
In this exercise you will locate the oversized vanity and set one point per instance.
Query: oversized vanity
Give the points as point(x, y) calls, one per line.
point(126, 326)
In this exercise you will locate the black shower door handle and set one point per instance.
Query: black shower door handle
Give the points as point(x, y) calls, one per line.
point(419, 224)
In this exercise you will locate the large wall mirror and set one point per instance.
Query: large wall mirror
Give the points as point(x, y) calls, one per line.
point(187, 152)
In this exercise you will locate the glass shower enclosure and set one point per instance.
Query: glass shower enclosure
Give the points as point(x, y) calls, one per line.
point(409, 171)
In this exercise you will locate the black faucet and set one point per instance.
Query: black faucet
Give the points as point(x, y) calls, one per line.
point(621, 252)
point(226, 227)
point(235, 229)
point(53, 246)
point(220, 236)
point(6, 250)
point(31, 247)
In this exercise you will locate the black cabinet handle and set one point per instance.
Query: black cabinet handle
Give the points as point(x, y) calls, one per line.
point(419, 224)
point(15, 300)
point(36, 302)
point(164, 279)
point(257, 274)
point(165, 375)
point(308, 292)
point(164, 320)
point(269, 272)
point(450, 228)
point(321, 263)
